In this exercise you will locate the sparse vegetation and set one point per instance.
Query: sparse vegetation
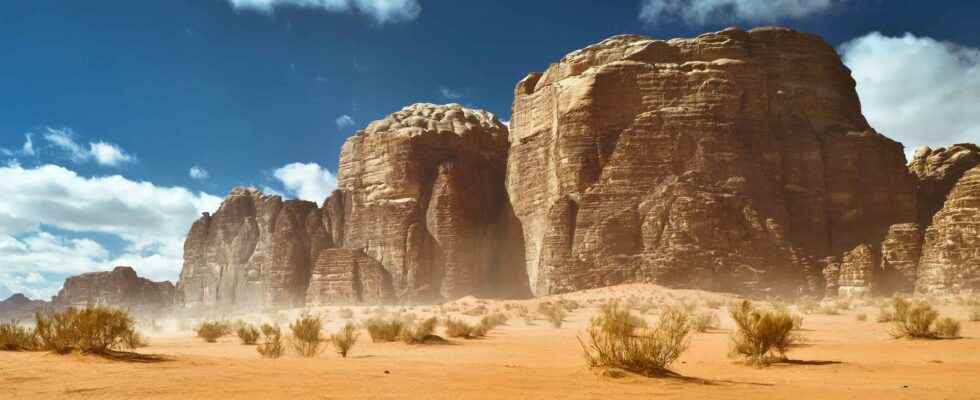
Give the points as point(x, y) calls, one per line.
point(384, 330)
point(554, 313)
point(14, 337)
point(761, 336)
point(948, 328)
point(885, 314)
point(248, 334)
point(975, 313)
point(271, 346)
point(345, 313)
point(211, 331)
point(617, 339)
point(460, 329)
point(94, 330)
point(861, 317)
point(345, 339)
point(913, 320)
point(419, 332)
point(307, 337)
point(706, 321)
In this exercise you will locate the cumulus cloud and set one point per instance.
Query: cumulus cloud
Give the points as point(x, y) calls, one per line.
point(704, 12)
point(344, 121)
point(917, 90)
point(381, 11)
point(307, 181)
point(103, 153)
point(449, 94)
point(52, 221)
point(198, 173)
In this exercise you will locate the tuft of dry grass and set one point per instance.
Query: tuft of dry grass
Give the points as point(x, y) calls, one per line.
point(761, 336)
point(861, 317)
point(307, 337)
point(460, 329)
point(706, 321)
point(211, 331)
point(345, 339)
point(271, 346)
point(554, 313)
point(96, 330)
point(419, 332)
point(384, 330)
point(913, 320)
point(248, 334)
point(617, 339)
point(948, 328)
point(14, 337)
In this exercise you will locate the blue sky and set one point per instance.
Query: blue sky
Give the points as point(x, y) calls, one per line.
point(108, 105)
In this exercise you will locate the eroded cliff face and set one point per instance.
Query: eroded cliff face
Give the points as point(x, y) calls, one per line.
point(951, 253)
point(732, 161)
point(119, 288)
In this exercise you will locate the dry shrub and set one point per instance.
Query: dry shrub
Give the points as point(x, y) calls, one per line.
point(419, 332)
point(14, 337)
point(975, 314)
point(271, 346)
point(134, 340)
point(617, 339)
point(307, 337)
point(476, 311)
point(828, 309)
point(913, 320)
point(384, 330)
point(861, 317)
point(713, 304)
point(345, 339)
point(248, 334)
point(554, 313)
point(95, 330)
point(211, 331)
point(885, 314)
point(947, 328)
point(807, 305)
point(797, 322)
point(761, 336)
point(706, 321)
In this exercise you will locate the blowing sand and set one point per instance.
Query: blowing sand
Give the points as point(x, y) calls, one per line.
point(841, 358)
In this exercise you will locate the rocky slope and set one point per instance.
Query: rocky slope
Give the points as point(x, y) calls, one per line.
point(732, 161)
point(119, 288)
point(18, 307)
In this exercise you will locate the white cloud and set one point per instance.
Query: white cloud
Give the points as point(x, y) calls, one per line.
point(344, 121)
point(27, 149)
point(198, 173)
point(307, 181)
point(52, 221)
point(103, 153)
point(704, 12)
point(381, 11)
point(449, 94)
point(917, 90)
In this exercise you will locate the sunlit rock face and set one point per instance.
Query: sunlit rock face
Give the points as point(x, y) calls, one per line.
point(119, 288)
point(737, 160)
point(951, 253)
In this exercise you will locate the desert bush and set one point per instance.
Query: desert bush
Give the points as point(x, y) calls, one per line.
point(554, 313)
point(616, 339)
point(134, 340)
point(14, 337)
point(345, 313)
point(211, 331)
point(271, 346)
point(345, 339)
point(248, 334)
point(307, 337)
point(947, 328)
point(705, 321)
point(384, 330)
point(913, 320)
point(885, 314)
point(418, 332)
point(90, 330)
point(861, 317)
point(569, 305)
point(460, 329)
point(476, 311)
point(807, 305)
point(761, 336)
point(828, 309)
point(713, 304)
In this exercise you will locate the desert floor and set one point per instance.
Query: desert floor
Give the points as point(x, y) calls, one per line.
point(841, 358)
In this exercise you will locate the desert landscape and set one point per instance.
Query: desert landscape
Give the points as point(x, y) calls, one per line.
point(727, 214)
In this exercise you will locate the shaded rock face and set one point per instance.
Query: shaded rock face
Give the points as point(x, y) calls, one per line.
point(951, 253)
point(937, 171)
point(119, 288)
point(19, 307)
point(421, 192)
point(732, 161)
point(256, 251)
point(348, 276)
point(900, 253)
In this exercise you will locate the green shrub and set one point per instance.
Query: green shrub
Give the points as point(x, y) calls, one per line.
point(271, 346)
point(554, 313)
point(14, 337)
point(307, 335)
point(95, 330)
point(345, 339)
point(248, 334)
point(211, 331)
point(947, 328)
point(419, 332)
point(384, 330)
point(761, 336)
point(616, 339)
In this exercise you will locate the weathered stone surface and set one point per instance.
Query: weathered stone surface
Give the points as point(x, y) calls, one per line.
point(731, 161)
point(255, 252)
point(421, 191)
point(119, 288)
point(900, 253)
point(937, 171)
point(951, 254)
point(348, 276)
point(19, 307)
point(857, 272)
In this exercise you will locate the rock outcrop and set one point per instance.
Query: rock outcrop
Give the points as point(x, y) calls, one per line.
point(119, 288)
point(18, 307)
point(937, 171)
point(951, 253)
point(900, 253)
point(348, 276)
point(857, 272)
point(732, 161)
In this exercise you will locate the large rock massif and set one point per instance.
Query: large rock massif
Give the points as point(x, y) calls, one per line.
point(737, 161)
point(120, 288)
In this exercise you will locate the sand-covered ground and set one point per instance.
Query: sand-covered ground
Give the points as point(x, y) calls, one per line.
point(841, 358)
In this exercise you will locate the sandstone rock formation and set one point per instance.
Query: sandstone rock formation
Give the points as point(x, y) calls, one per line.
point(857, 272)
point(735, 161)
point(951, 253)
point(119, 288)
point(900, 253)
point(937, 171)
point(348, 276)
point(19, 307)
